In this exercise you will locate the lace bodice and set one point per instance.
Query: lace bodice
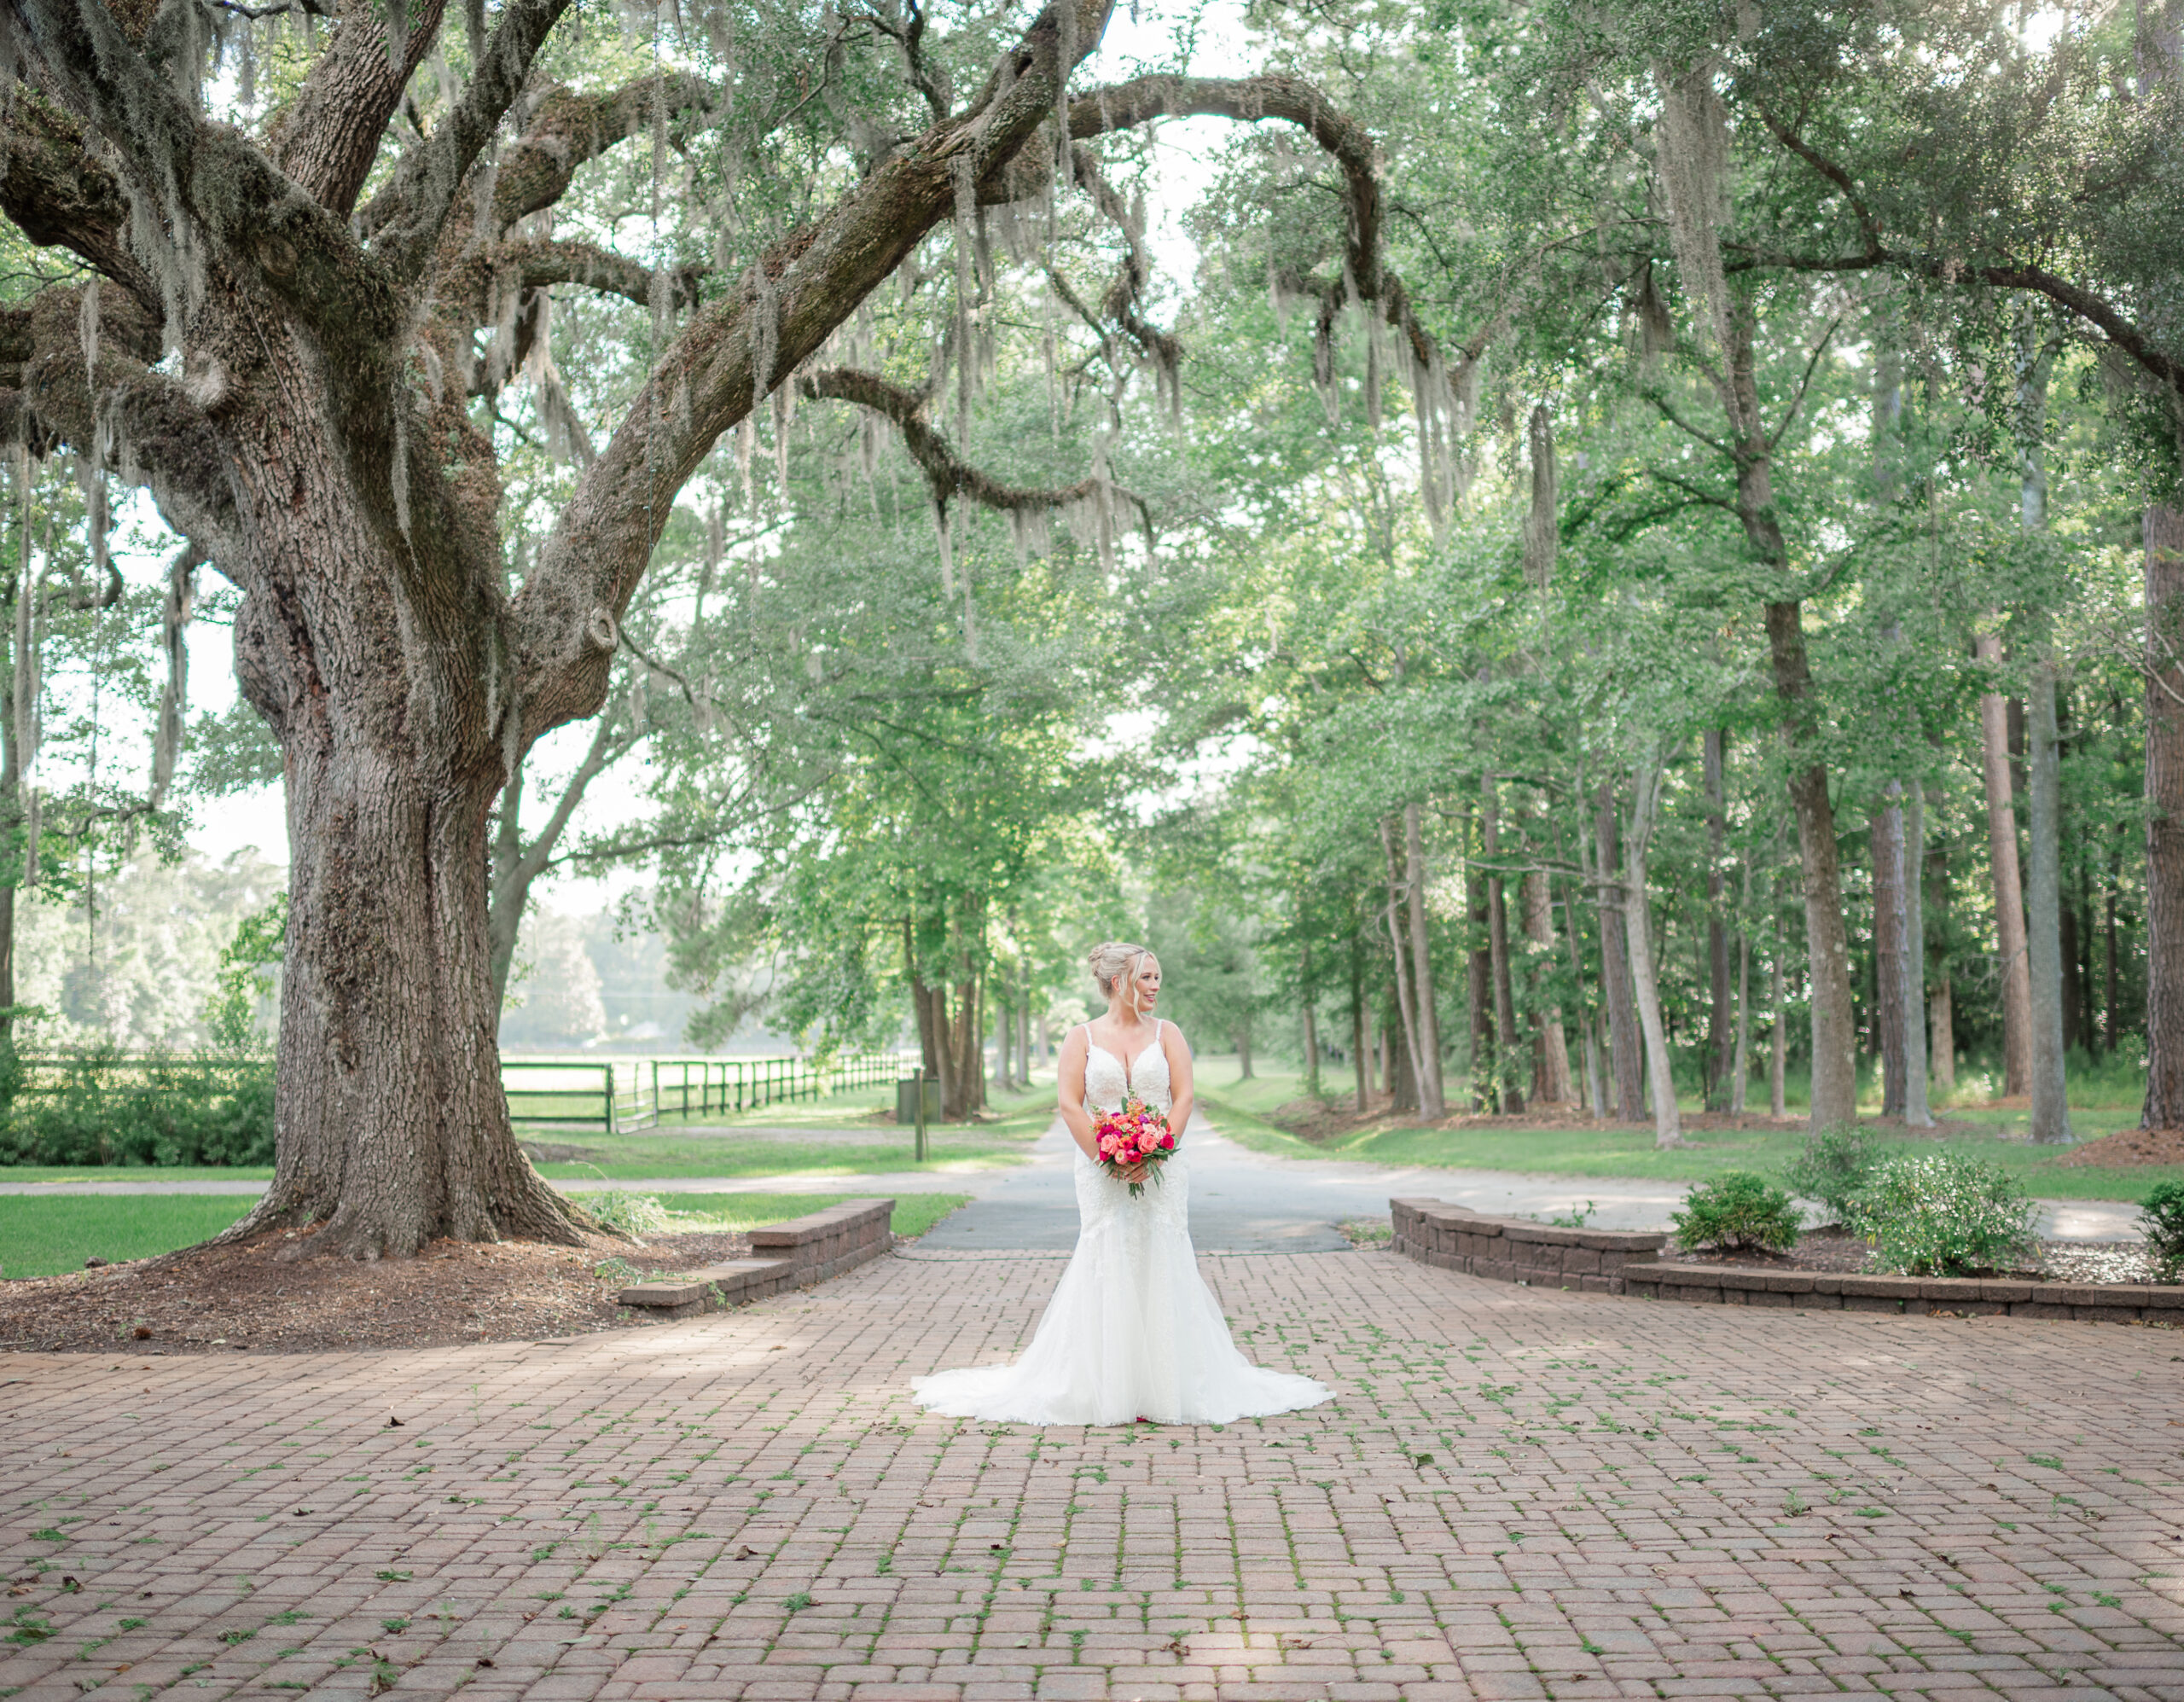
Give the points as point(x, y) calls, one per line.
point(1106, 1080)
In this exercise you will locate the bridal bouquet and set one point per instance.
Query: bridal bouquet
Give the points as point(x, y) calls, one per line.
point(1135, 1135)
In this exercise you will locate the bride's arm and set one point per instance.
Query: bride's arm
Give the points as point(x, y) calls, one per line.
point(1180, 1082)
point(1069, 1093)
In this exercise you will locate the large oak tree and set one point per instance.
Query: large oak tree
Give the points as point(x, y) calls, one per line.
point(289, 364)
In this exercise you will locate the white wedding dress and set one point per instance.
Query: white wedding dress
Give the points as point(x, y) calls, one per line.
point(1132, 1330)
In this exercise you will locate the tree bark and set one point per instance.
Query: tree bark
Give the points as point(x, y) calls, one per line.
point(1917, 1112)
point(1478, 990)
point(2002, 860)
point(1357, 1023)
point(2051, 1108)
point(1406, 1013)
point(1668, 1121)
point(1891, 971)
point(1311, 1050)
point(1615, 965)
point(1778, 1050)
point(1720, 1040)
point(1587, 1026)
point(1941, 1023)
point(1508, 1094)
point(1553, 1084)
point(1433, 1092)
point(2109, 1015)
point(1244, 1050)
point(2164, 601)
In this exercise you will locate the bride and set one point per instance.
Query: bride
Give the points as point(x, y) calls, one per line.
point(1132, 1331)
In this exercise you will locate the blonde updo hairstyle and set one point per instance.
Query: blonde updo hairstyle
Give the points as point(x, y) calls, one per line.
point(1113, 960)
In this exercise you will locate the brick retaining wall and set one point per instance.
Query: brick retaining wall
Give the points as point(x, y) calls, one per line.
point(1955, 1296)
point(1618, 1262)
point(1518, 1250)
point(794, 1254)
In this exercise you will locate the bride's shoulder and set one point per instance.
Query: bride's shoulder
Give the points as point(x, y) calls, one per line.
point(1171, 1034)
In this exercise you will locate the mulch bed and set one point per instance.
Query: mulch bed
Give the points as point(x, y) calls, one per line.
point(245, 1296)
point(1836, 1251)
point(2128, 1146)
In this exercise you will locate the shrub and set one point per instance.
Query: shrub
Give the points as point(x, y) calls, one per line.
point(93, 1109)
point(1945, 1214)
point(1831, 1169)
point(2161, 1220)
point(1739, 1209)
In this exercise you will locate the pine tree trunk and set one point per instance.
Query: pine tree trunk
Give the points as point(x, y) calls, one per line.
point(2009, 901)
point(1432, 1089)
point(1243, 1051)
point(1890, 970)
point(2164, 602)
point(1554, 1085)
point(1742, 1068)
point(1940, 1016)
point(1509, 1096)
point(1311, 1050)
point(1941, 1024)
point(1588, 1024)
point(1720, 1038)
point(1615, 965)
point(2051, 1109)
point(1917, 1114)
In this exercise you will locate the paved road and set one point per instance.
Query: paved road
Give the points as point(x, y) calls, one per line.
point(1516, 1495)
point(1241, 1200)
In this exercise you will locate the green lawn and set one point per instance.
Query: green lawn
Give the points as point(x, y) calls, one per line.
point(44, 1237)
point(1627, 1150)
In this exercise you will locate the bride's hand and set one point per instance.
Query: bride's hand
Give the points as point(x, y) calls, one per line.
point(1136, 1173)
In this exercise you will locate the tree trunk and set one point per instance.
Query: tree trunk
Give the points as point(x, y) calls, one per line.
point(1003, 1027)
point(1891, 970)
point(1941, 1023)
point(1668, 1122)
point(2108, 928)
point(1406, 1013)
point(1720, 1040)
point(1742, 1067)
point(2164, 601)
point(922, 999)
point(1917, 1114)
point(1554, 1085)
point(2009, 901)
point(1311, 1051)
point(2051, 1109)
point(1357, 1023)
point(1432, 1091)
point(1510, 1096)
point(1940, 1016)
point(1588, 1024)
point(1479, 992)
point(1243, 1051)
point(1778, 1049)
point(1402, 1075)
point(943, 1064)
point(393, 1128)
point(1615, 965)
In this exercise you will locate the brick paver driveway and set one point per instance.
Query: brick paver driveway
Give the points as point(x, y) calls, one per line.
point(1516, 1494)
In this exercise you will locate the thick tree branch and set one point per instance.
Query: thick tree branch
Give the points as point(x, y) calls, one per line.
point(59, 196)
point(946, 472)
point(213, 184)
point(426, 183)
point(328, 136)
point(564, 619)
